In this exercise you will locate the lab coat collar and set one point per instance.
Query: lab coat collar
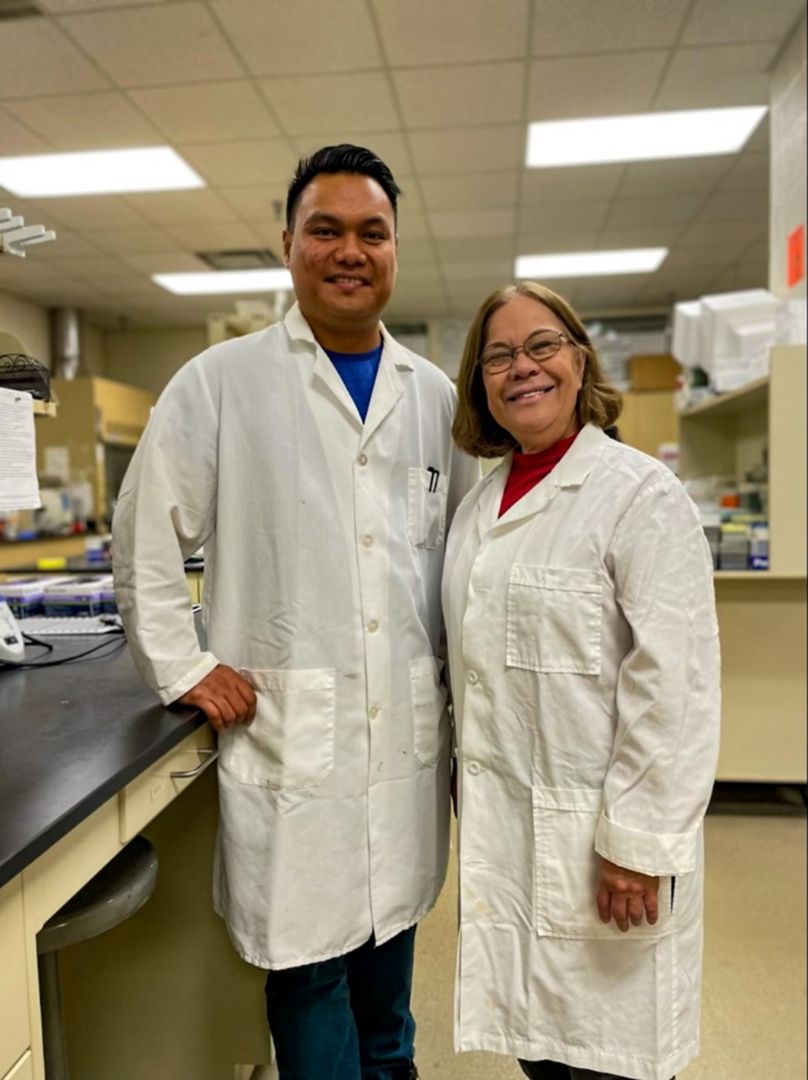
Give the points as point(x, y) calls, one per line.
point(387, 390)
point(570, 472)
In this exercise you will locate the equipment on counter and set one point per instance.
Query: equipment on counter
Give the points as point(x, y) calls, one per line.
point(24, 595)
point(70, 625)
point(11, 643)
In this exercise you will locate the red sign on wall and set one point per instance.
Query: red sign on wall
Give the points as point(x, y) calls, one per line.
point(795, 270)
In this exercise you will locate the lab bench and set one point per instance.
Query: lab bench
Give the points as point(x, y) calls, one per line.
point(87, 763)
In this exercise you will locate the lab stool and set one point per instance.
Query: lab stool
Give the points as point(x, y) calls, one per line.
point(115, 893)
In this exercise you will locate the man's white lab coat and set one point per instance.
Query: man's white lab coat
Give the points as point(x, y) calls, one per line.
point(584, 662)
point(324, 541)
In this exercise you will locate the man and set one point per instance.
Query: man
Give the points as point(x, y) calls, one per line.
point(314, 462)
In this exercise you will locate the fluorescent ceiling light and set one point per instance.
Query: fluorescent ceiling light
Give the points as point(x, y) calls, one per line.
point(645, 137)
point(590, 263)
point(225, 281)
point(97, 172)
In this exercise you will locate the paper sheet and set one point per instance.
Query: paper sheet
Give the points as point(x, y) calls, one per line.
point(19, 489)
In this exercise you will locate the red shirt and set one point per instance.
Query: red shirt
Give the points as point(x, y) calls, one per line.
point(528, 469)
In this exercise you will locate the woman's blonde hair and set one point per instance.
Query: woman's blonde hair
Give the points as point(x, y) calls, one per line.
point(475, 430)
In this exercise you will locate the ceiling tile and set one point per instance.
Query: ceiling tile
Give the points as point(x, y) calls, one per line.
point(750, 170)
point(422, 32)
point(86, 121)
point(742, 205)
point(388, 145)
point(90, 211)
point(723, 21)
point(274, 37)
point(258, 202)
point(39, 59)
point(616, 291)
point(591, 182)
point(567, 27)
point(412, 225)
point(90, 266)
point(593, 88)
point(132, 241)
point(15, 138)
point(474, 248)
point(66, 243)
point(347, 103)
point(479, 149)
point(460, 223)
point(500, 269)
point(241, 163)
point(466, 94)
point(167, 207)
point(165, 263)
point(649, 179)
point(556, 216)
point(460, 191)
point(703, 233)
point(155, 45)
point(223, 236)
point(553, 239)
point(207, 112)
point(621, 237)
point(671, 210)
point(715, 76)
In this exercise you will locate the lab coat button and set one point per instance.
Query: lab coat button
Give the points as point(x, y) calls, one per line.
point(367, 541)
point(473, 677)
point(373, 712)
point(373, 626)
point(362, 459)
point(474, 768)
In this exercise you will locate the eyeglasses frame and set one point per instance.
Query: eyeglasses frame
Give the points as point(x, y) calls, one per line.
point(563, 338)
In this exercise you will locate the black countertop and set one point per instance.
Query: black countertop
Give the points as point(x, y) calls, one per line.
point(71, 737)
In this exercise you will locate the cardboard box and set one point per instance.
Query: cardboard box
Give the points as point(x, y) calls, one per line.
point(653, 372)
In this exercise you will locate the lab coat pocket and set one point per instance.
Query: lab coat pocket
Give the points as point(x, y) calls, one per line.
point(427, 491)
point(566, 870)
point(290, 743)
point(428, 708)
point(553, 619)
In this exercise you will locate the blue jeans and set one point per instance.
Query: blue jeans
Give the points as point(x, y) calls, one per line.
point(348, 1018)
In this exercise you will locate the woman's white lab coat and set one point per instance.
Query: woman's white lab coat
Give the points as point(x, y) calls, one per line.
point(584, 665)
point(324, 543)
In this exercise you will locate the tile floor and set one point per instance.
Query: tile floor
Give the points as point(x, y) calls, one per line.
point(753, 1016)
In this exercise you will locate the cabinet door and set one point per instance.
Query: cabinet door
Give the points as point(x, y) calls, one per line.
point(15, 1033)
point(23, 1070)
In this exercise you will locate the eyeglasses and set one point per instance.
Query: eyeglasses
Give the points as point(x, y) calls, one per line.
point(542, 345)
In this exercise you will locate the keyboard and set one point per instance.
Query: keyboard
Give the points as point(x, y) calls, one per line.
point(69, 625)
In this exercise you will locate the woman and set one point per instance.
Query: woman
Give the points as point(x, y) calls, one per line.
point(584, 664)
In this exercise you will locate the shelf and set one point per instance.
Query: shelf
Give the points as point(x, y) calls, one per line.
point(749, 396)
point(762, 575)
point(44, 408)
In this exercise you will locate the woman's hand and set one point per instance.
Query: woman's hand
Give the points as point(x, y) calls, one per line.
point(626, 895)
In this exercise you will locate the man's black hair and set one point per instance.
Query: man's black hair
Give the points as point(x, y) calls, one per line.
point(344, 158)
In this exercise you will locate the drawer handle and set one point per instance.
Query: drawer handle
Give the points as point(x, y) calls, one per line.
point(186, 774)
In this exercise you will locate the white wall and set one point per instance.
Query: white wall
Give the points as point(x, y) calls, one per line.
point(787, 169)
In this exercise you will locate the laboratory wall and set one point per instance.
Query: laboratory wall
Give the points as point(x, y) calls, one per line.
point(148, 358)
point(28, 323)
point(788, 169)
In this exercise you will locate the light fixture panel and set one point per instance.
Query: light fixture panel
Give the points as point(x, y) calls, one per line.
point(642, 137)
point(590, 263)
point(97, 172)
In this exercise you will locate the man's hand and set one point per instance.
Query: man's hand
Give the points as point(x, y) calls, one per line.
point(224, 697)
point(626, 895)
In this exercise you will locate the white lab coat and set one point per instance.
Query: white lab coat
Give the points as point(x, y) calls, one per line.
point(324, 543)
point(584, 665)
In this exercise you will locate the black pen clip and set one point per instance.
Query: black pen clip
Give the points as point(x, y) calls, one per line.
point(434, 476)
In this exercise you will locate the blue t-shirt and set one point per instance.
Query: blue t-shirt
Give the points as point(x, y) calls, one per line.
point(358, 372)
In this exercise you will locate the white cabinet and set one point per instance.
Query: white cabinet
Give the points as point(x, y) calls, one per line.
point(15, 1033)
point(761, 614)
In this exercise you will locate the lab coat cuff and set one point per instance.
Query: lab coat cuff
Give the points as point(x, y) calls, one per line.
point(656, 854)
point(206, 663)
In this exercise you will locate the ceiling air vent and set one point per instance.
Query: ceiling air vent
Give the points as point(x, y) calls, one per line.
point(18, 9)
point(252, 259)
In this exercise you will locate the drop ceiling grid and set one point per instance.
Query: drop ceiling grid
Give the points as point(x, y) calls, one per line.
point(423, 69)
